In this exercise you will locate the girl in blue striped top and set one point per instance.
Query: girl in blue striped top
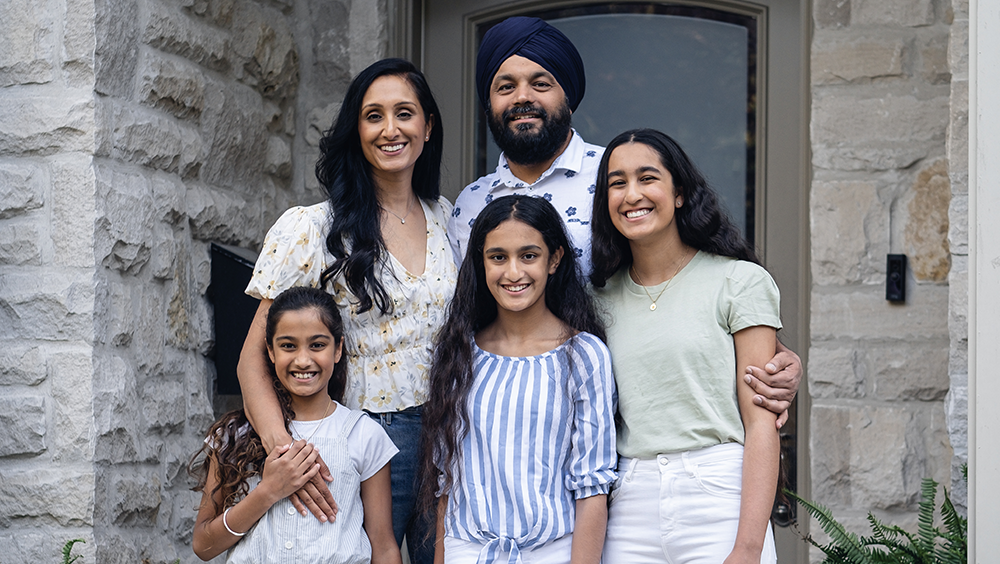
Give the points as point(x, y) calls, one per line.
point(245, 507)
point(518, 435)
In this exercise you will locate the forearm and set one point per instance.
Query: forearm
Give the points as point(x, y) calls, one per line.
point(211, 538)
point(439, 535)
point(376, 501)
point(589, 529)
point(259, 400)
point(760, 479)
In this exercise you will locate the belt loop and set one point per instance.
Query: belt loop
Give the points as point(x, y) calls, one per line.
point(388, 417)
point(632, 462)
point(689, 466)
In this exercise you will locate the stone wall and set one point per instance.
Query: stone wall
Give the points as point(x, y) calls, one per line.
point(132, 134)
point(957, 400)
point(879, 372)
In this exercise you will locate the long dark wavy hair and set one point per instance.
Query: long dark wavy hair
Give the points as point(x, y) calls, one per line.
point(445, 419)
point(701, 221)
point(347, 176)
point(232, 443)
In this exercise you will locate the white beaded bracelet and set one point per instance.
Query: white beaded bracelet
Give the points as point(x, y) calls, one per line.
point(226, 525)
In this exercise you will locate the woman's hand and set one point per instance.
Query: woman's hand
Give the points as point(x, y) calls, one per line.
point(288, 468)
point(777, 383)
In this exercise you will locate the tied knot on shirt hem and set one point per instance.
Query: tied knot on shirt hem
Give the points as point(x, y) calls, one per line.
point(495, 544)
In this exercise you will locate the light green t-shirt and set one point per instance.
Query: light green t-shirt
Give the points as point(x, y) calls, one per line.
point(675, 367)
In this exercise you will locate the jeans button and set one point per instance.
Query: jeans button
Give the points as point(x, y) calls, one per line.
point(664, 461)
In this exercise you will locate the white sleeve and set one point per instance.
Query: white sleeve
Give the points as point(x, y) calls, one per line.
point(371, 448)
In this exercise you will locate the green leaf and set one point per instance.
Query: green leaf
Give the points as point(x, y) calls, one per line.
point(67, 549)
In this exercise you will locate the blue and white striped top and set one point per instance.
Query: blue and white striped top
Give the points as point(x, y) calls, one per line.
point(541, 436)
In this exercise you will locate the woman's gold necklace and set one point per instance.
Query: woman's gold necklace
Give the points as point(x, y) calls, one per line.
point(402, 219)
point(652, 306)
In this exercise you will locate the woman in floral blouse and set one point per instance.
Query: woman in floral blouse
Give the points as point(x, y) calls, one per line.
point(379, 245)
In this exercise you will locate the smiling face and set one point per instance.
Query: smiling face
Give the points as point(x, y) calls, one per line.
point(392, 126)
point(517, 265)
point(641, 194)
point(304, 353)
point(529, 116)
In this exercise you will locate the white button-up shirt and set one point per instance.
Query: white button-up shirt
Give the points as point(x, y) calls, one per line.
point(568, 185)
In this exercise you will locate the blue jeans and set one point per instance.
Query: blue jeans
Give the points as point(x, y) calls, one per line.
point(403, 427)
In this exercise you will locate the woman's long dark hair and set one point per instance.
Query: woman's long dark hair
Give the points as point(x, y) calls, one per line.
point(347, 176)
point(233, 444)
point(445, 419)
point(701, 222)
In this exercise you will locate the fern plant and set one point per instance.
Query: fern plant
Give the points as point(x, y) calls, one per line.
point(67, 551)
point(890, 544)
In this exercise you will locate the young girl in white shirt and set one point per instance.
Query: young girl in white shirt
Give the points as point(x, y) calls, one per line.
point(518, 434)
point(244, 506)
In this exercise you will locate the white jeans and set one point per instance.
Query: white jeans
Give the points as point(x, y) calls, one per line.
point(678, 508)
point(459, 551)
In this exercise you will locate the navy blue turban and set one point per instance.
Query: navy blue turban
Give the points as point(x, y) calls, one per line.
point(538, 41)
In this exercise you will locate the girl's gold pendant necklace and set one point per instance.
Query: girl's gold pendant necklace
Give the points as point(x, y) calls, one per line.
point(652, 306)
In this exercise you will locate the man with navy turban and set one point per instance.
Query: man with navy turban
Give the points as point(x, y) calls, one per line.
point(530, 79)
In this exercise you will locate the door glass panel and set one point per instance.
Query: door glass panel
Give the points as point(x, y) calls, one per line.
point(688, 72)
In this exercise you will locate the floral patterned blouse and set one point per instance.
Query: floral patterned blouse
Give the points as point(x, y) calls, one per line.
point(389, 355)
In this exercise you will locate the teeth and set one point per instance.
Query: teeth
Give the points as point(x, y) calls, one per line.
point(636, 213)
point(517, 288)
point(392, 148)
point(303, 375)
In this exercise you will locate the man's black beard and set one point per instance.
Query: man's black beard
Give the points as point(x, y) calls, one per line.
point(525, 147)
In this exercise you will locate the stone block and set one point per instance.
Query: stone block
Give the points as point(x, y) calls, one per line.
point(168, 199)
point(21, 364)
point(265, 50)
point(28, 49)
point(318, 121)
point(850, 232)
point(217, 215)
point(79, 43)
point(836, 371)
point(831, 13)
point(72, 373)
point(235, 135)
point(20, 243)
point(958, 225)
point(874, 457)
point(117, 50)
point(173, 32)
point(135, 499)
point(73, 199)
point(369, 35)
point(279, 157)
point(116, 411)
point(172, 85)
point(958, 136)
point(839, 58)
point(65, 495)
point(163, 405)
point(115, 548)
point(48, 304)
point(926, 232)
point(37, 544)
point(958, 49)
point(123, 230)
point(217, 12)
point(861, 312)
point(22, 189)
point(23, 421)
point(912, 369)
point(891, 131)
point(35, 124)
point(150, 139)
point(330, 29)
point(934, 67)
point(905, 13)
point(163, 256)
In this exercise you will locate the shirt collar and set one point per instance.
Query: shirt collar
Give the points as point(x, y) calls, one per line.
point(570, 159)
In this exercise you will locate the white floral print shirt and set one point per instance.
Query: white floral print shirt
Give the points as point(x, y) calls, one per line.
point(389, 355)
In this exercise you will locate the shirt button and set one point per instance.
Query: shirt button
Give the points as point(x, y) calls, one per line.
point(288, 544)
point(291, 511)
